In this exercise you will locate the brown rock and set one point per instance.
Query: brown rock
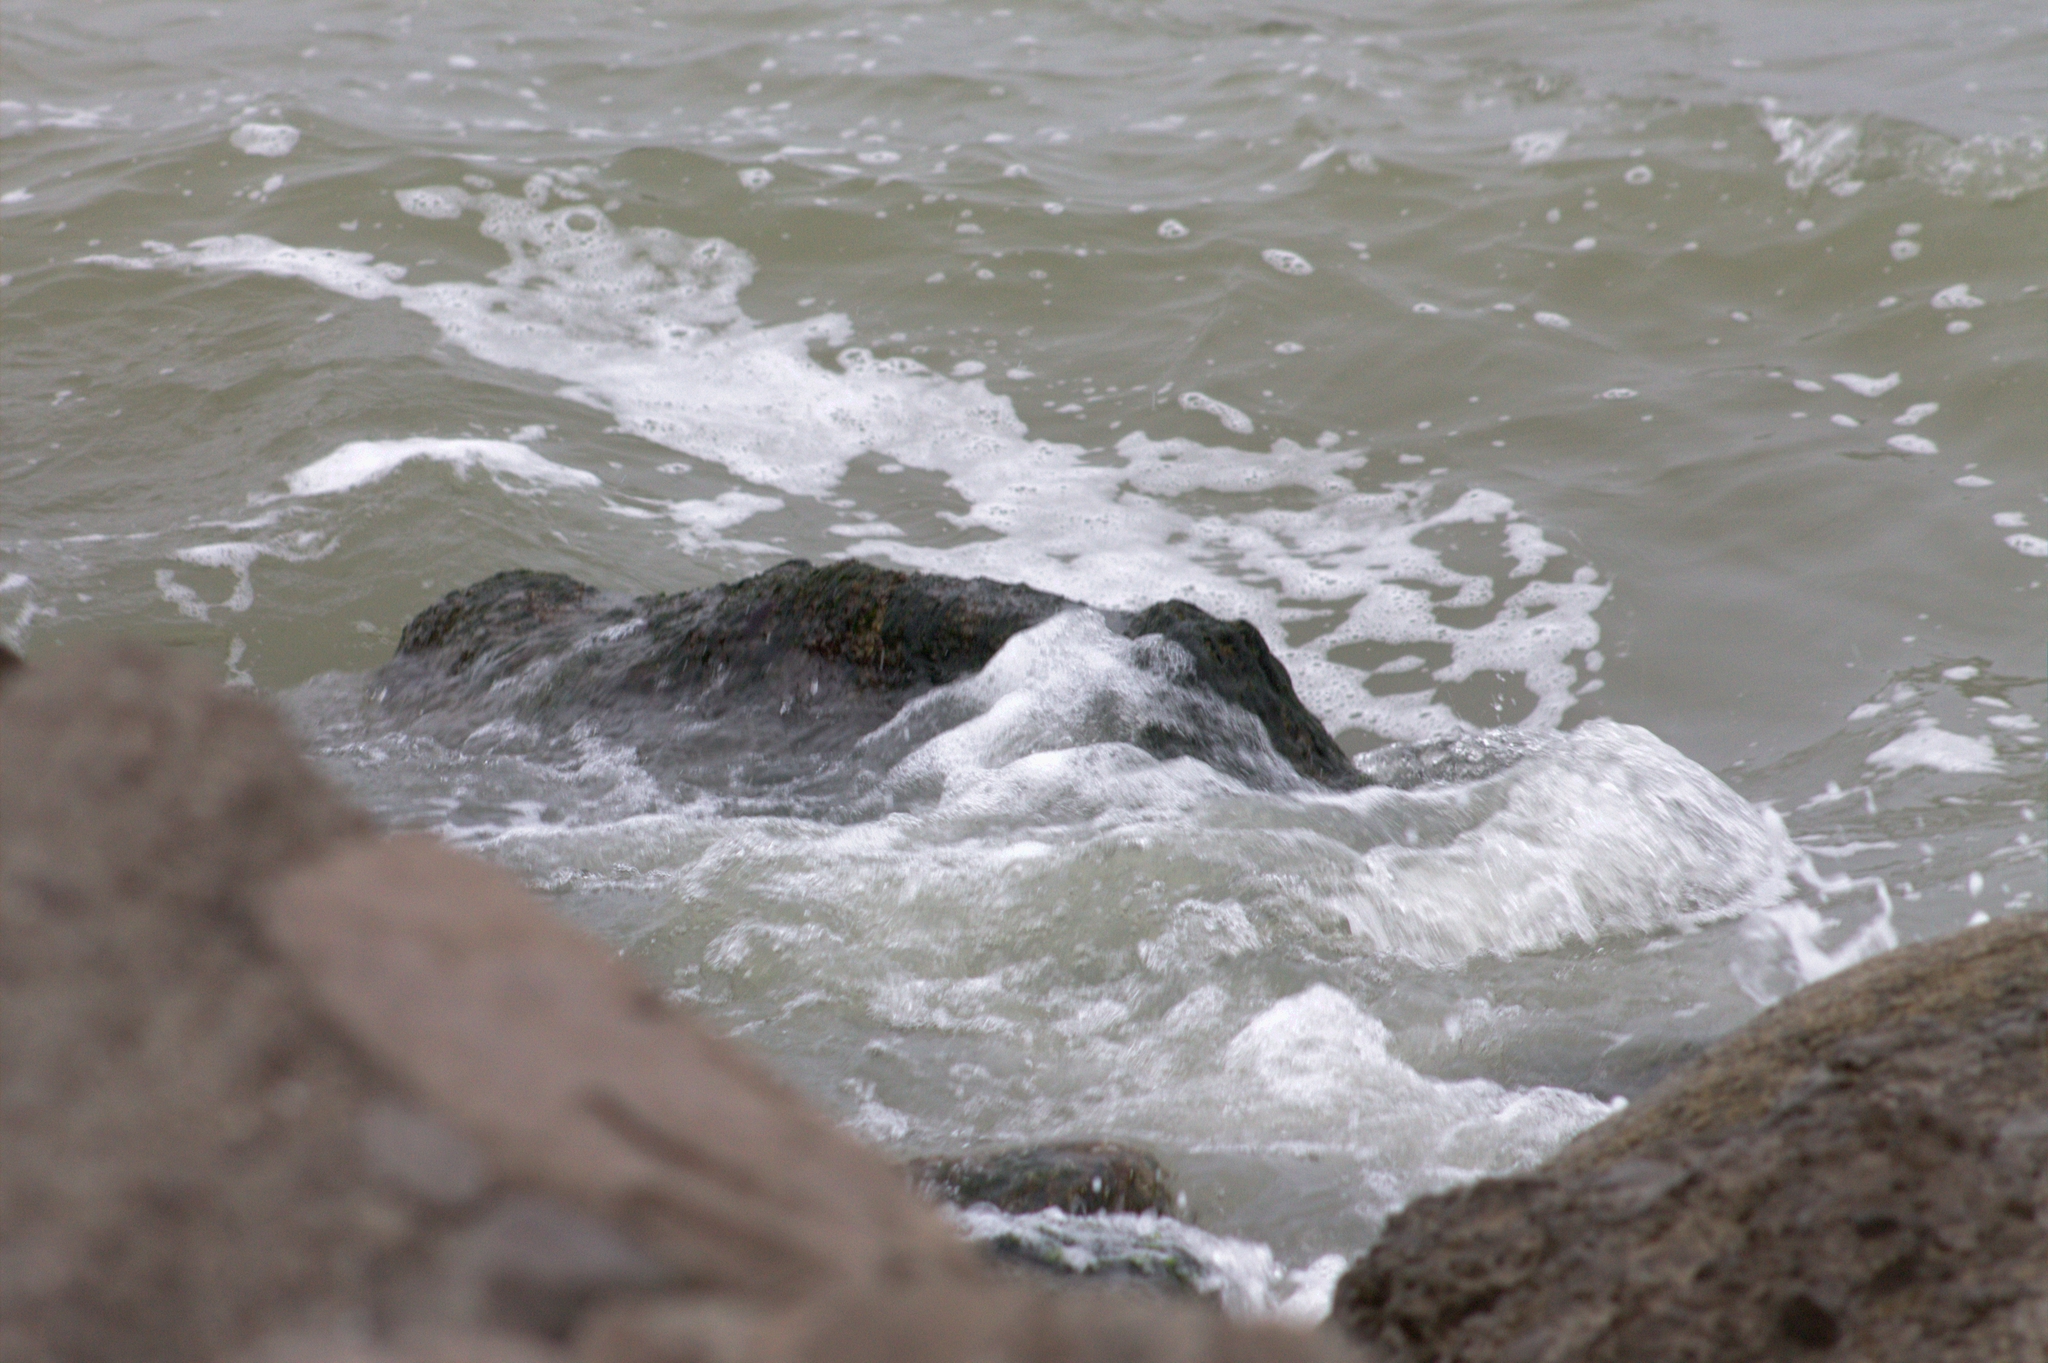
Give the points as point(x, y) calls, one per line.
point(178, 1126)
point(1862, 1172)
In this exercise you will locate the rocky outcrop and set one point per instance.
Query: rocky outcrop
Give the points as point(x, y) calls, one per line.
point(1860, 1173)
point(779, 676)
point(278, 1089)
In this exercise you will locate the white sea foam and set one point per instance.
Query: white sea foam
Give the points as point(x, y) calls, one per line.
point(1814, 154)
point(1243, 1276)
point(431, 201)
point(1534, 148)
point(264, 139)
point(1865, 386)
point(1913, 444)
point(646, 326)
point(362, 462)
point(1955, 296)
point(1286, 262)
point(1557, 321)
point(2033, 546)
point(1916, 414)
point(1937, 749)
point(239, 558)
point(1234, 421)
point(1323, 1060)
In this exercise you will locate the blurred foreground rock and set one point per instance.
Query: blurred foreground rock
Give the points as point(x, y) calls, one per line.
point(277, 1089)
point(1861, 1173)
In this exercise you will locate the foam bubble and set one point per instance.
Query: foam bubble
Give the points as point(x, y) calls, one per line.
point(1172, 229)
point(2033, 546)
point(1555, 320)
point(362, 462)
point(1286, 262)
point(1865, 386)
point(1937, 749)
point(1638, 175)
point(1913, 444)
point(432, 201)
point(1233, 420)
point(1903, 250)
point(1534, 148)
point(1916, 414)
point(1955, 296)
point(264, 139)
point(757, 177)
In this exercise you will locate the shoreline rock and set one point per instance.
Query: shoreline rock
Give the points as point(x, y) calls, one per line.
point(816, 658)
point(1862, 1170)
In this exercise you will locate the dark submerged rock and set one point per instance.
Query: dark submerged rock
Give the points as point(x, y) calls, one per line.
point(1863, 1170)
point(1078, 1178)
point(777, 678)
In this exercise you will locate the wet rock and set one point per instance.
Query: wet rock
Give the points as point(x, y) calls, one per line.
point(775, 679)
point(275, 1089)
point(1861, 1172)
point(1077, 1177)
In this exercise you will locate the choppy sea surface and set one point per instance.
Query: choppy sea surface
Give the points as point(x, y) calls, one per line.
point(1651, 394)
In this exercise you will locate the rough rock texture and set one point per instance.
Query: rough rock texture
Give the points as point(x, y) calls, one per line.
point(1861, 1173)
point(828, 654)
point(274, 1090)
point(1078, 1178)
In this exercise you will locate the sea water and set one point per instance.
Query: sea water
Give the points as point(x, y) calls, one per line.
point(1624, 421)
